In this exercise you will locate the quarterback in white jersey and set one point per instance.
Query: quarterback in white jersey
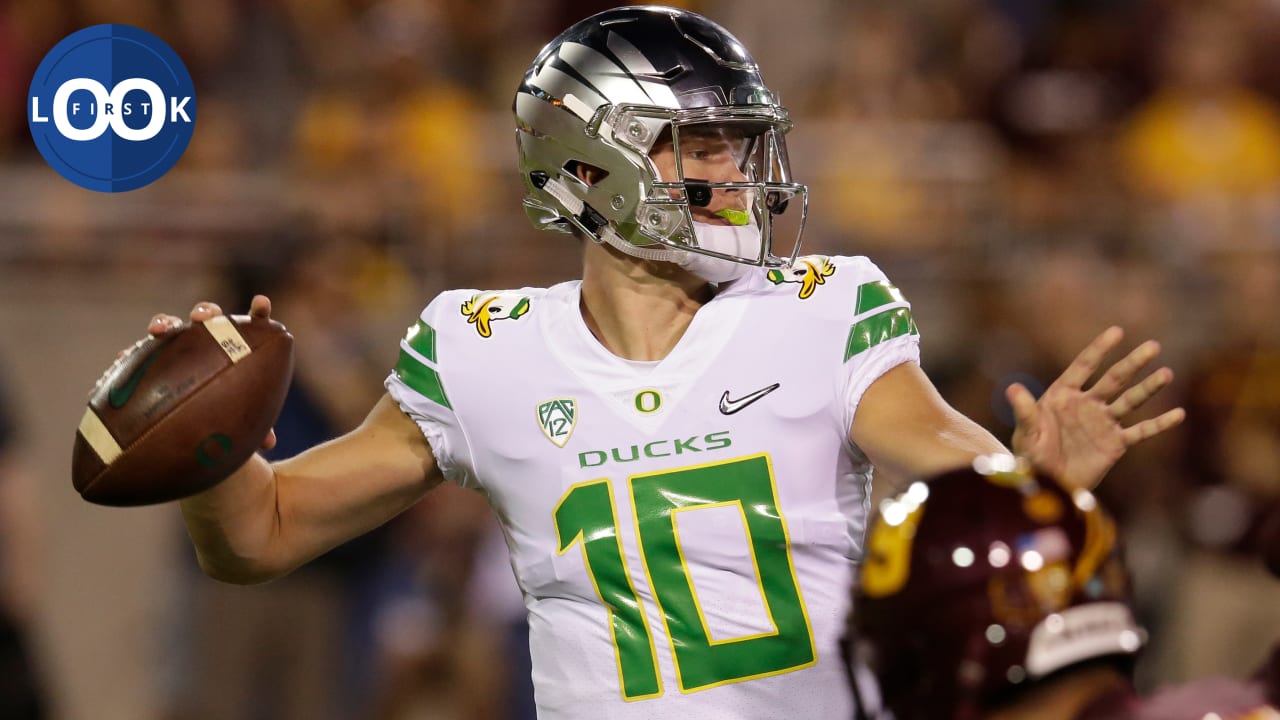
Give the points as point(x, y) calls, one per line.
point(679, 446)
point(684, 531)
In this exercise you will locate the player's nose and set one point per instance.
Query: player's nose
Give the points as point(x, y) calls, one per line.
point(728, 171)
point(735, 197)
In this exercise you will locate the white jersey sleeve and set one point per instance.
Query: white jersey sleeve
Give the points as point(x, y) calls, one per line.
point(881, 335)
point(419, 385)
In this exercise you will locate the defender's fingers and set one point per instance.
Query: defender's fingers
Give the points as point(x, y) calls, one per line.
point(205, 310)
point(1119, 375)
point(260, 306)
point(1139, 394)
point(270, 441)
point(1024, 404)
point(1087, 362)
point(1154, 426)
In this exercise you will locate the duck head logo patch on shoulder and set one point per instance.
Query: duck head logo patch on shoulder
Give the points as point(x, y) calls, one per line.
point(810, 271)
point(483, 310)
point(557, 419)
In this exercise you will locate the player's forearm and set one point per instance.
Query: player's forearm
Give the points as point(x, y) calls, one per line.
point(921, 439)
point(267, 519)
point(954, 441)
point(349, 486)
point(905, 427)
point(235, 526)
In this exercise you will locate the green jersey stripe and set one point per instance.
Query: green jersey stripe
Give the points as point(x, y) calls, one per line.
point(874, 294)
point(423, 379)
point(879, 327)
point(422, 338)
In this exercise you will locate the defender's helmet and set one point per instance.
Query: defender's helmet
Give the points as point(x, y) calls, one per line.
point(982, 581)
point(606, 89)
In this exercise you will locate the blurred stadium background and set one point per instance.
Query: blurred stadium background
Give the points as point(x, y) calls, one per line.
point(1028, 171)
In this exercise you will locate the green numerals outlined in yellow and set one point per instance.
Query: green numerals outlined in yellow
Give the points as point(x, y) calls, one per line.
point(586, 515)
point(659, 498)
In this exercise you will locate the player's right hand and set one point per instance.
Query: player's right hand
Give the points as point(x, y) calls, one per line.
point(163, 324)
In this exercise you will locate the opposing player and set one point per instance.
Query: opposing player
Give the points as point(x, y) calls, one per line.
point(989, 592)
point(679, 445)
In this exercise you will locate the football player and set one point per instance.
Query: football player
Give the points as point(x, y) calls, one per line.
point(992, 592)
point(680, 444)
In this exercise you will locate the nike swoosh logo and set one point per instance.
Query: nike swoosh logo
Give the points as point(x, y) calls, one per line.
point(118, 396)
point(729, 407)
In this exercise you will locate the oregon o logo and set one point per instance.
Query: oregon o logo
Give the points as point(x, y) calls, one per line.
point(111, 108)
point(648, 401)
point(213, 450)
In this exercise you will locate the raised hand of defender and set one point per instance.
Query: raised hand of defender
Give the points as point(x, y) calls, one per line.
point(1078, 434)
point(163, 324)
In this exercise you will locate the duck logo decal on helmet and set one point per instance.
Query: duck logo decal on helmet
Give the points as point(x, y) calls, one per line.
point(606, 90)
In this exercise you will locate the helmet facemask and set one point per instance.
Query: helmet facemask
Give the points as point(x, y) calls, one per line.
point(721, 197)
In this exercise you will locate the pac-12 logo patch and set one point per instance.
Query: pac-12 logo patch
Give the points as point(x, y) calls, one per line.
point(557, 419)
point(111, 108)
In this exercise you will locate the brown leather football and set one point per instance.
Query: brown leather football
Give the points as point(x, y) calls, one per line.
point(178, 414)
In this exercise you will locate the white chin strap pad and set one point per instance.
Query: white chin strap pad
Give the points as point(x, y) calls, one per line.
point(741, 241)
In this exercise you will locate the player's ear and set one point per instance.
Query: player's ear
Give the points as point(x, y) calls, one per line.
point(589, 174)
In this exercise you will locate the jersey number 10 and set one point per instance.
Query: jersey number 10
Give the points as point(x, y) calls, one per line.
point(586, 515)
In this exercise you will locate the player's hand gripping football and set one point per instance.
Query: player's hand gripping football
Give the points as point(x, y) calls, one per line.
point(163, 324)
point(1078, 434)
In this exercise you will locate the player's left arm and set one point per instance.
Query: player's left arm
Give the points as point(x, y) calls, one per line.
point(904, 425)
point(908, 430)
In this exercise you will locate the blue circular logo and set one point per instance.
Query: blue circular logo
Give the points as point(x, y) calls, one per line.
point(111, 108)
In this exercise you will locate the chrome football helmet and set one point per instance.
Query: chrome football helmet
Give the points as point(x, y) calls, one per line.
point(611, 87)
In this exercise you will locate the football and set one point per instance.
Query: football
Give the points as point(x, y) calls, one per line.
point(177, 414)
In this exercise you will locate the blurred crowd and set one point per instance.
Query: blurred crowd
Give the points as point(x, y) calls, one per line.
point(1027, 171)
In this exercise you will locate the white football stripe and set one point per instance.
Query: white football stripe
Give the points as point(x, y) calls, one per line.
point(579, 108)
point(224, 332)
point(98, 437)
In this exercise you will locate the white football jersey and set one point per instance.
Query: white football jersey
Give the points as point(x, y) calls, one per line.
point(684, 531)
